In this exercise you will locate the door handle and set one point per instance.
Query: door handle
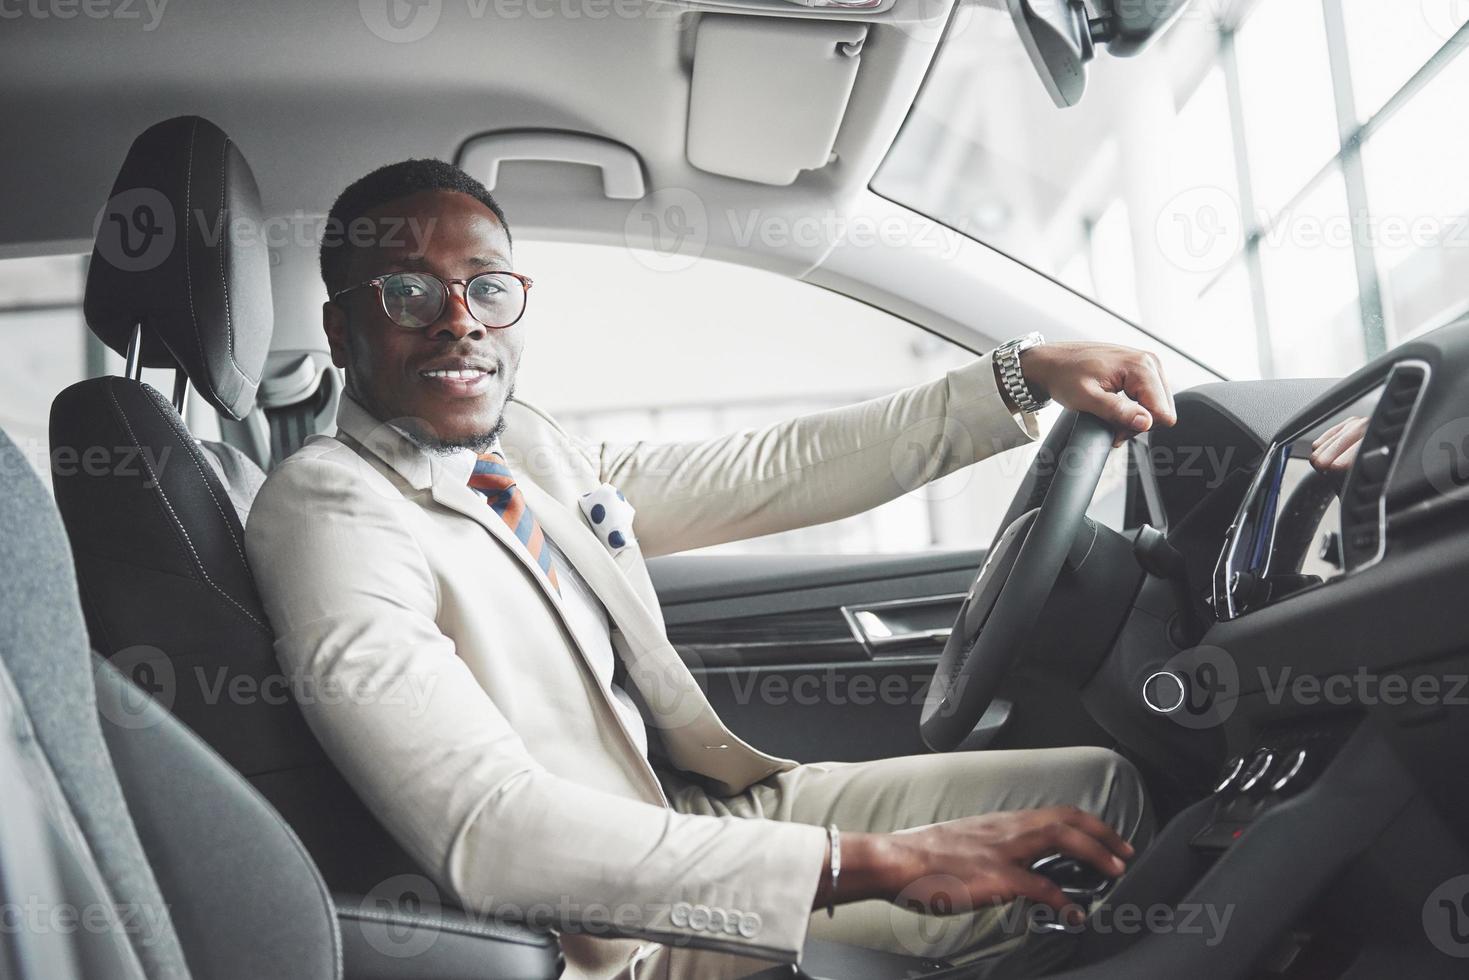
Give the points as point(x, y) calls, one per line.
point(903, 627)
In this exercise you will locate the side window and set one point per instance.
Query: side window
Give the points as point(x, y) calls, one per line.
point(45, 350)
point(618, 350)
point(45, 346)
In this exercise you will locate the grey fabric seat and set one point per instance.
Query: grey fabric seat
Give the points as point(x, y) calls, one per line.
point(45, 865)
point(193, 872)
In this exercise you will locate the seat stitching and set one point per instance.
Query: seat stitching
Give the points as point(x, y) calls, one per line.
point(148, 465)
point(224, 241)
point(188, 263)
point(188, 440)
point(122, 418)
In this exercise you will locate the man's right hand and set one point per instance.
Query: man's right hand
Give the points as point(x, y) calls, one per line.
point(989, 856)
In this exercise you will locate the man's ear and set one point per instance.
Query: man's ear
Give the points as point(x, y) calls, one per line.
point(334, 324)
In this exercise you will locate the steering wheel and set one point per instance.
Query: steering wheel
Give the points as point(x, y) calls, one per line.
point(1002, 607)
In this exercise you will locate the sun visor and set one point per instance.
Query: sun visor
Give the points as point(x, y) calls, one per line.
point(768, 94)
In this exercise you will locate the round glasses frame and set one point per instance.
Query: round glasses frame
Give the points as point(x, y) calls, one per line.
point(377, 284)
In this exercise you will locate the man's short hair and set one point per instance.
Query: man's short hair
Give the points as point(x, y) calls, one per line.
point(396, 180)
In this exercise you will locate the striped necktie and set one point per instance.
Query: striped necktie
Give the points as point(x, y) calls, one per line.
point(492, 478)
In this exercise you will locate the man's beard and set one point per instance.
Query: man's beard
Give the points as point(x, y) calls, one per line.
point(448, 447)
point(429, 442)
point(425, 438)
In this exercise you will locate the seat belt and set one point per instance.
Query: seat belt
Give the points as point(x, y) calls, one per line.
point(298, 402)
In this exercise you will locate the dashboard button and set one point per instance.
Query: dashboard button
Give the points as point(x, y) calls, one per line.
point(1232, 770)
point(1164, 692)
point(1257, 770)
point(1292, 767)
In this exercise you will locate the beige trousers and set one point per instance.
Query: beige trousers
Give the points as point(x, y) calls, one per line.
point(913, 791)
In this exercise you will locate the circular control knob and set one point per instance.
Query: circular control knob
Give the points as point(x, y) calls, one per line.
point(1291, 769)
point(1257, 769)
point(1232, 770)
point(1164, 692)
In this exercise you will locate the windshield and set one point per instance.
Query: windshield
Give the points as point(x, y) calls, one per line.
point(1274, 187)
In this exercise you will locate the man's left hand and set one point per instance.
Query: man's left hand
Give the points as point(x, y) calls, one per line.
point(1120, 385)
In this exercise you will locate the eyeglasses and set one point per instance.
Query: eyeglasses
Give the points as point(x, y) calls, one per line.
point(414, 300)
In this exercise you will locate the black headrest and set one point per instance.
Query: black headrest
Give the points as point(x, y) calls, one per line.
point(181, 249)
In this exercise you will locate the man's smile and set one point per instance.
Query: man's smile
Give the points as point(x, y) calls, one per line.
point(459, 377)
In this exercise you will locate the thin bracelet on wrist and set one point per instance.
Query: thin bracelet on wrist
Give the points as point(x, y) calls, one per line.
point(835, 836)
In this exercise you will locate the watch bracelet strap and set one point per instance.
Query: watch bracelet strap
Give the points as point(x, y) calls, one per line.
point(1013, 379)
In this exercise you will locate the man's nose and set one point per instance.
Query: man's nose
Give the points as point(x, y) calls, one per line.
point(456, 322)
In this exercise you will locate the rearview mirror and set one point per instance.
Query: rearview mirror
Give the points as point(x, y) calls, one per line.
point(1061, 37)
point(1127, 27)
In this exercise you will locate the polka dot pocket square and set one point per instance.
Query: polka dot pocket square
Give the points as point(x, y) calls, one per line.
point(610, 516)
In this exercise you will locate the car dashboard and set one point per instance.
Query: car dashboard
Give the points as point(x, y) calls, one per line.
point(1296, 681)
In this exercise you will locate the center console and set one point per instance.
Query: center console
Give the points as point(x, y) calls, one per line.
point(1283, 761)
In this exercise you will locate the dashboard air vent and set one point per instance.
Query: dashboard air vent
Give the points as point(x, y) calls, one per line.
point(1363, 504)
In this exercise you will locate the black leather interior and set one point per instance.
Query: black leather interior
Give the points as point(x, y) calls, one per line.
point(181, 250)
point(159, 545)
point(170, 603)
point(160, 556)
point(384, 939)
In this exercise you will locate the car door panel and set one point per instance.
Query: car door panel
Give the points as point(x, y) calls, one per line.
point(790, 651)
point(772, 641)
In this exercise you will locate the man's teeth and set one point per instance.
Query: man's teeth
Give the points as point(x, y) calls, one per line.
point(461, 375)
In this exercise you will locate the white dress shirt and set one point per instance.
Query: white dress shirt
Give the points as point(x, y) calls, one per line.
point(594, 627)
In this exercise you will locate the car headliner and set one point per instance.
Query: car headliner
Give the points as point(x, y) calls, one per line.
point(314, 98)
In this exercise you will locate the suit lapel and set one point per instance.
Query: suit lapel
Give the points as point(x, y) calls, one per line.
point(630, 562)
point(474, 506)
point(595, 565)
point(697, 740)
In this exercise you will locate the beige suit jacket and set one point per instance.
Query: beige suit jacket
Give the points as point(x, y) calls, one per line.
point(442, 676)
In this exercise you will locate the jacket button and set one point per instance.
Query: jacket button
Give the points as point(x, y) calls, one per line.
point(699, 918)
point(679, 916)
point(750, 925)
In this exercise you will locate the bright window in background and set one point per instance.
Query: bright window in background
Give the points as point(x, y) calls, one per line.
point(1110, 240)
point(43, 341)
point(621, 351)
point(1311, 285)
point(1223, 329)
point(45, 346)
point(1389, 41)
point(1287, 103)
point(1420, 204)
point(1210, 188)
point(1202, 145)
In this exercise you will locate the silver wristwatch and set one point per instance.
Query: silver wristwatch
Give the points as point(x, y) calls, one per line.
point(1012, 379)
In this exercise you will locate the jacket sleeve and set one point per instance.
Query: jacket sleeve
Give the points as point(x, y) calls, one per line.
point(815, 468)
point(353, 602)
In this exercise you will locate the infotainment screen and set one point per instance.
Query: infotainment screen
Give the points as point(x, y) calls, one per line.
point(1287, 535)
